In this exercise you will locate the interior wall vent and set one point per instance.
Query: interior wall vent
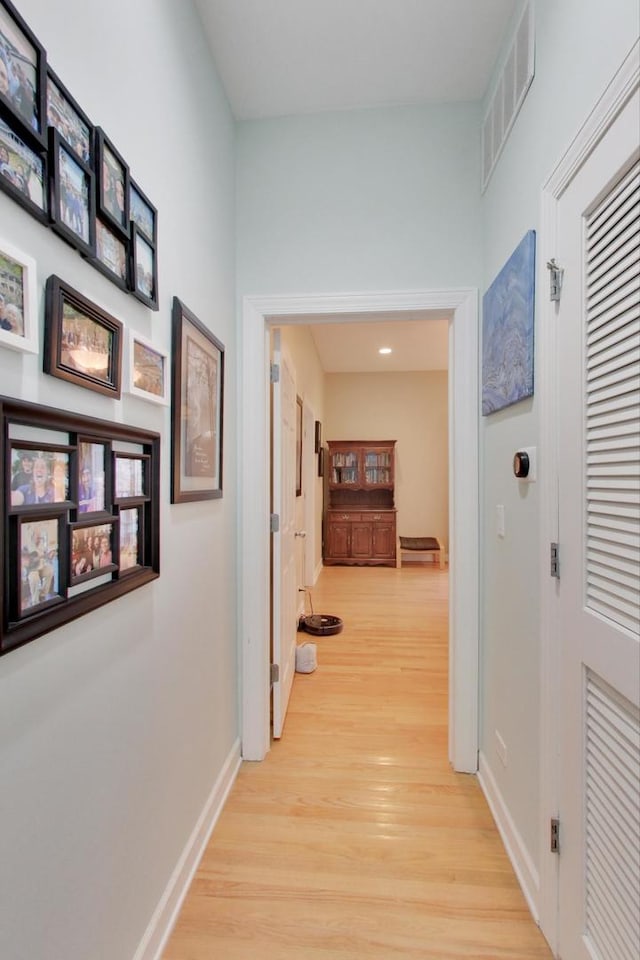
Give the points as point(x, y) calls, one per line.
point(509, 93)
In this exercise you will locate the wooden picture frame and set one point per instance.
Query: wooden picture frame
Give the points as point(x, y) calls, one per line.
point(112, 174)
point(83, 343)
point(41, 588)
point(18, 300)
point(23, 172)
point(317, 436)
point(66, 116)
point(321, 460)
point(197, 400)
point(111, 255)
point(299, 412)
point(147, 370)
point(92, 548)
point(72, 203)
point(143, 213)
point(144, 269)
point(22, 76)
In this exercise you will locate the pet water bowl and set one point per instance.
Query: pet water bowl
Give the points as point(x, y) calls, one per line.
point(321, 624)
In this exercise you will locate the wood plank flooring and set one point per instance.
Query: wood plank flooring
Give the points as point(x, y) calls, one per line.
point(354, 839)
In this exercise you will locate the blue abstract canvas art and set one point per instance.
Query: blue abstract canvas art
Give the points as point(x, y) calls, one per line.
point(507, 330)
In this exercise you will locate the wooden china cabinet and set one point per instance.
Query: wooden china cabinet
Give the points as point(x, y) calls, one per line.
point(360, 520)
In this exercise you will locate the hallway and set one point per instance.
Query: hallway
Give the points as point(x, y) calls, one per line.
point(354, 839)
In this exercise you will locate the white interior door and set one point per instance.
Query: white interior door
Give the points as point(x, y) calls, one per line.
point(284, 582)
point(598, 409)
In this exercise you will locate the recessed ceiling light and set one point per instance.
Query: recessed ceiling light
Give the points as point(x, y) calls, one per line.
point(384, 350)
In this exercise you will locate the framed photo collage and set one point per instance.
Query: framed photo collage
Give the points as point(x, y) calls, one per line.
point(66, 172)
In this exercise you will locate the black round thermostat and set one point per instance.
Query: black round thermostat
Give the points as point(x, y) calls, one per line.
point(521, 464)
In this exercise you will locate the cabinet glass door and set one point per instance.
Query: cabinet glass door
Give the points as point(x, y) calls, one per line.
point(343, 467)
point(377, 467)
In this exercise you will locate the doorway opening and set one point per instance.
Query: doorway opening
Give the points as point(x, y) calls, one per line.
point(254, 550)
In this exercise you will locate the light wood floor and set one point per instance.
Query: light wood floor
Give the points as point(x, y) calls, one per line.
point(354, 839)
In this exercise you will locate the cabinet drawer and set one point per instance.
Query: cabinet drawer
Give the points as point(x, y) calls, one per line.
point(340, 516)
point(388, 516)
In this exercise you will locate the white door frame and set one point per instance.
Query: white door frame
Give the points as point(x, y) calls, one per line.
point(253, 555)
point(617, 94)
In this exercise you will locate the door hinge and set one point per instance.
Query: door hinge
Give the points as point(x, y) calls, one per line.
point(554, 558)
point(556, 274)
point(274, 523)
point(555, 835)
point(274, 673)
point(274, 373)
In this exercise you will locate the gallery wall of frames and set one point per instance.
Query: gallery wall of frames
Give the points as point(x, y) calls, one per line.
point(80, 497)
point(80, 515)
point(67, 172)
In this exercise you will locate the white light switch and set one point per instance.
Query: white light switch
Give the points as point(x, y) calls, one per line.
point(500, 519)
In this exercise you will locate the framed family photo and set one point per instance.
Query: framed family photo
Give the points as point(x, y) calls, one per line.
point(143, 213)
point(197, 394)
point(79, 506)
point(83, 343)
point(18, 303)
point(111, 255)
point(23, 172)
point(22, 74)
point(146, 370)
point(71, 122)
point(144, 269)
point(72, 205)
point(113, 185)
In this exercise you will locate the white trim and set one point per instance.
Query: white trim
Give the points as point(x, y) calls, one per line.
point(464, 512)
point(515, 846)
point(166, 913)
point(614, 98)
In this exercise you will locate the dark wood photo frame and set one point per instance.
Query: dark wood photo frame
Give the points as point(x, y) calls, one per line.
point(82, 343)
point(317, 436)
point(23, 65)
point(144, 268)
point(65, 115)
point(197, 407)
point(143, 213)
point(72, 203)
point(40, 589)
point(299, 411)
point(112, 174)
point(111, 255)
point(23, 172)
point(87, 554)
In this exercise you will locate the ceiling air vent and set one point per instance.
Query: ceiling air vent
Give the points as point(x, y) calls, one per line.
point(509, 93)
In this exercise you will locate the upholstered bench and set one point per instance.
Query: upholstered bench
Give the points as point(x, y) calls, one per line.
point(428, 545)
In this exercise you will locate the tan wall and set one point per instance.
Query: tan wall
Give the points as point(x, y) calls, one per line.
point(298, 343)
point(410, 408)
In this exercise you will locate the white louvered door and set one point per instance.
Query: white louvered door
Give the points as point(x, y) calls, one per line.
point(598, 595)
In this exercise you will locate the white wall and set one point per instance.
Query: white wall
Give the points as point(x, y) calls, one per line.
point(410, 408)
point(114, 728)
point(359, 201)
point(579, 45)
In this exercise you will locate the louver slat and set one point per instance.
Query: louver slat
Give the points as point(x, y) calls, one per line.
point(612, 400)
point(612, 821)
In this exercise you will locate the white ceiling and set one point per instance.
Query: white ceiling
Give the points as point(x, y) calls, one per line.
point(346, 346)
point(281, 57)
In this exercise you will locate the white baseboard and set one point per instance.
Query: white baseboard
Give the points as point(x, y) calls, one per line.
point(166, 913)
point(525, 870)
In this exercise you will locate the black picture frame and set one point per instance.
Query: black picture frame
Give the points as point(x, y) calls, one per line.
point(299, 412)
point(144, 269)
point(72, 203)
point(111, 255)
point(82, 342)
point(39, 588)
point(317, 436)
point(23, 171)
point(143, 213)
point(321, 458)
point(23, 65)
point(112, 176)
point(197, 408)
point(65, 115)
